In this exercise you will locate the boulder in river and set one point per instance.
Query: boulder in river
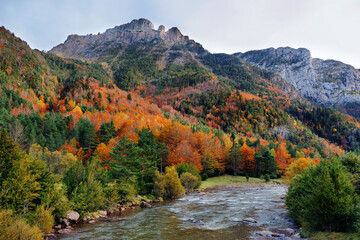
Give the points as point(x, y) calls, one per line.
point(278, 235)
point(264, 234)
point(270, 234)
point(249, 220)
point(200, 222)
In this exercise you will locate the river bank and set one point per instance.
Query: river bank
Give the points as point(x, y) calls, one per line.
point(212, 213)
point(73, 220)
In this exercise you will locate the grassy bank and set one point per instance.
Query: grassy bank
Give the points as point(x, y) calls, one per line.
point(229, 180)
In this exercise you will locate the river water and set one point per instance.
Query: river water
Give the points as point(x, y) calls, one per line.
point(216, 215)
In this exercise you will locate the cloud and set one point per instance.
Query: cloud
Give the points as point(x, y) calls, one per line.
point(328, 28)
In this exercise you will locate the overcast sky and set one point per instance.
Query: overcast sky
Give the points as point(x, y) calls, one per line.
point(329, 29)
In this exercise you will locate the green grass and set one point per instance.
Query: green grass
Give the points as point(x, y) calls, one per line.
point(228, 180)
point(332, 236)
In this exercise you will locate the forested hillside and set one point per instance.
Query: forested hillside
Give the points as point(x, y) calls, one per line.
point(88, 135)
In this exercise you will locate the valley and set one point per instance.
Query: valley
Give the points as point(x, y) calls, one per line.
point(103, 120)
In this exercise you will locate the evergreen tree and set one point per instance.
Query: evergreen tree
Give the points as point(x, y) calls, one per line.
point(235, 157)
point(85, 133)
point(106, 132)
point(140, 160)
point(266, 162)
point(153, 150)
point(127, 160)
point(9, 154)
point(323, 198)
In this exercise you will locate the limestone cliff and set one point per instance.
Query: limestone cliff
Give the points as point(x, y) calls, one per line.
point(326, 82)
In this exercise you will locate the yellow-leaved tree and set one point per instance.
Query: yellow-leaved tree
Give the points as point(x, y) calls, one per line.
point(297, 166)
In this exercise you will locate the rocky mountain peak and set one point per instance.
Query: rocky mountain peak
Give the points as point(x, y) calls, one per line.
point(161, 29)
point(141, 24)
point(141, 30)
point(174, 34)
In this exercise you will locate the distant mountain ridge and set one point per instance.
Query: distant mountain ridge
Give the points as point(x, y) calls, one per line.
point(326, 82)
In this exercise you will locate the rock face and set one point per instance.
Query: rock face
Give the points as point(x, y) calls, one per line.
point(114, 39)
point(326, 82)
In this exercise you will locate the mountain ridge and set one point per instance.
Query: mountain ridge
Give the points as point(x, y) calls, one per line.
point(326, 82)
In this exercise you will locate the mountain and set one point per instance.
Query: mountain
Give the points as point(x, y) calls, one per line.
point(326, 82)
point(137, 76)
point(115, 39)
point(219, 90)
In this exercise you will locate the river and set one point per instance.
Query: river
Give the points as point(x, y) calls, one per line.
point(216, 215)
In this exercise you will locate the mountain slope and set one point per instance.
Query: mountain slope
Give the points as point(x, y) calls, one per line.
point(326, 82)
point(178, 73)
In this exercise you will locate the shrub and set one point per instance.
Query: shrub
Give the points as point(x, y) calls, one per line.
point(267, 177)
point(111, 196)
point(204, 177)
point(159, 187)
point(189, 181)
point(323, 198)
point(85, 185)
point(12, 227)
point(185, 167)
point(127, 190)
point(173, 185)
point(60, 202)
point(44, 219)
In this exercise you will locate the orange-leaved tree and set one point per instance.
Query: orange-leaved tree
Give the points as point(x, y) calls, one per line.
point(283, 158)
point(248, 161)
point(184, 152)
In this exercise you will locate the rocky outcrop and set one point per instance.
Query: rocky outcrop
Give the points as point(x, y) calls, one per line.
point(326, 82)
point(113, 40)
